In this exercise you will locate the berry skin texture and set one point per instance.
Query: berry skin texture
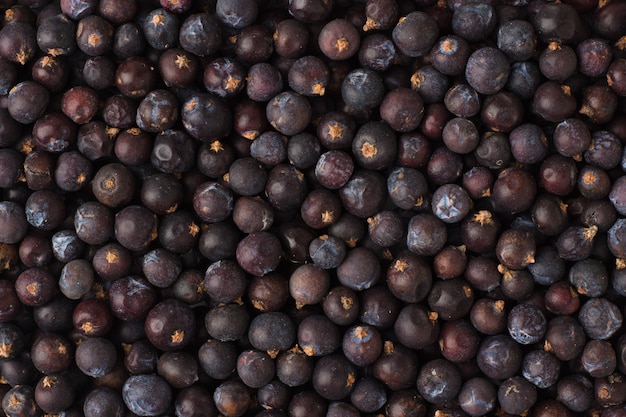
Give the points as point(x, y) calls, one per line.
point(312, 208)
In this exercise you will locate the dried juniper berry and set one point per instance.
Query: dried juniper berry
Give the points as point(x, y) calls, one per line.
point(516, 395)
point(362, 89)
point(451, 203)
point(402, 109)
point(364, 193)
point(289, 112)
point(477, 396)
point(198, 110)
point(575, 391)
point(426, 234)
point(377, 51)
point(411, 27)
point(600, 318)
point(565, 337)
point(360, 269)
point(327, 252)
point(526, 324)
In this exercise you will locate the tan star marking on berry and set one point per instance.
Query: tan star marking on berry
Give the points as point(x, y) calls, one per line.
point(335, 131)
point(178, 336)
point(182, 61)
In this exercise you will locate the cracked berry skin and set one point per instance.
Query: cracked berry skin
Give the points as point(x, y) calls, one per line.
point(170, 325)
